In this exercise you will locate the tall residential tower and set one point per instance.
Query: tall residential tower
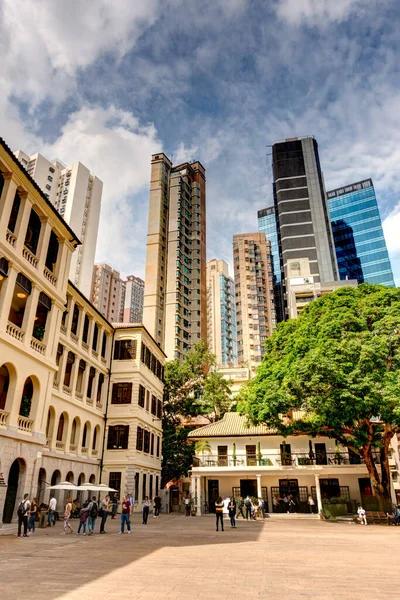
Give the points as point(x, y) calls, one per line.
point(221, 313)
point(267, 224)
point(254, 296)
point(76, 194)
point(175, 298)
point(106, 292)
point(133, 300)
point(357, 231)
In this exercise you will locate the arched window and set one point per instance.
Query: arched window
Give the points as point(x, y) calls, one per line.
point(95, 437)
point(14, 213)
point(33, 232)
point(50, 423)
point(68, 368)
point(60, 429)
point(92, 374)
point(4, 385)
point(99, 388)
point(26, 400)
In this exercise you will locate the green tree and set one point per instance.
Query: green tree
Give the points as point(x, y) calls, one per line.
point(216, 399)
point(335, 371)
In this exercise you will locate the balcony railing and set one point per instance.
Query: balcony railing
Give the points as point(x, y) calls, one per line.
point(15, 331)
point(38, 346)
point(278, 460)
point(30, 257)
point(60, 445)
point(11, 238)
point(49, 276)
point(73, 447)
point(3, 418)
point(25, 424)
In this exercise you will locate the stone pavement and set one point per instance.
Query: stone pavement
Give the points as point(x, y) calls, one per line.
point(185, 558)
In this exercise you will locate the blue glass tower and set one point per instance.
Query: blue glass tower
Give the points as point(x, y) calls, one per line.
point(358, 235)
point(267, 224)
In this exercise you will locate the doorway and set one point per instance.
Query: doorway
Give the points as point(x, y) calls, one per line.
point(248, 487)
point(12, 491)
point(320, 454)
point(364, 483)
point(213, 493)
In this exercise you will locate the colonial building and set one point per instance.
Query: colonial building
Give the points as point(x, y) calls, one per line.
point(56, 360)
point(234, 459)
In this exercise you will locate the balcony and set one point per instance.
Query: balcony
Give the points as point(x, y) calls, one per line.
point(63, 329)
point(85, 451)
point(73, 448)
point(67, 390)
point(25, 424)
point(78, 395)
point(3, 418)
point(277, 461)
point(50, 276)
point(15, 331)
point(60, 446)
point(38, 346)
point(30, 257)
point(11, 238)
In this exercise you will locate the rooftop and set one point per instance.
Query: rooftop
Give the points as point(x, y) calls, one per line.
point(231, 425)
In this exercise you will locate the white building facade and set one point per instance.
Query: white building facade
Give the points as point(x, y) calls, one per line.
point(76, 194)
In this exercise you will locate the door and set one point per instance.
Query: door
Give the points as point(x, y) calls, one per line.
point(213, 493)
point(329, 488)
point(222, 456)
point(286, 455)
point(174, 499)
point(251, 457)
point(248, 487)
point(320, 454)
point(12, 490)
point(364, 483)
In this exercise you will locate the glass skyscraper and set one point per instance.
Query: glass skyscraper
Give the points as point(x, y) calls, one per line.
point(267, 224)
point(358, 235)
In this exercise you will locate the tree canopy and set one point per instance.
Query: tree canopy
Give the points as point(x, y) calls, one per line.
point(338, 364)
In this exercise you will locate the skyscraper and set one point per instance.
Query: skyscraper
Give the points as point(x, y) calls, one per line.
point(221, 313)
point(106, 291)
point(133, 300)
point(254, 296)
point(358, 235)
point(175, 298)
point(304, 229)
point(267, 224)
point(76, 194)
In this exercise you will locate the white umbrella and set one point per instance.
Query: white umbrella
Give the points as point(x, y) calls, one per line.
point(64, 485)
point(101, 487)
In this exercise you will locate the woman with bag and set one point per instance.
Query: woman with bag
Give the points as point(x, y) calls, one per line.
point(103, 513)
point(219, 512)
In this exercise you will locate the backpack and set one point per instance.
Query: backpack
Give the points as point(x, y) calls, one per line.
point(21, 512)
point(94, 510)
point(247, 502)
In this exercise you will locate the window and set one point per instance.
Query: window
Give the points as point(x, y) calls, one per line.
point(139, 439)
point(152, 445)
point(14, 213)
point(33, 232)
point(68, 368)
point(22, 290)
point(104, 345)
point(95, 337)
point(52, 252)
point(142, 395)
point(92, 374)
point(146, 441)
point(99, 388)
point(153, 405)
point(125, 349)
point(75, 320)
point(115, 481)
point(81, 371)
point(144, 486)
point(85, 332)
point(158, 446)
point(159, 409)
point(118, 437)
point(121, 393)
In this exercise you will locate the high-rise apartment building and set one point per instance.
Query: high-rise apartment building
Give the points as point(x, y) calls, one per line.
point(302, 215)
point(175, 297)
point(267, 224)
point(221, 313)
point(254, 296)
point(76, 194)
point(133, 300)
point(106, 292)
point(358, 235)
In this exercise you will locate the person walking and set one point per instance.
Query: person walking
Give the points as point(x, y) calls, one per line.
point(83, 518)
point(248, 504)
point(33, 513)
point(219, 513)
point(22, 513)
point(51, 520)
point(157, 505)
point(311, 504)
point(126, 509)
point(103, 513)
point(262, 507)
point(146, 509)
point(232, 511)
point(92, 515)
point(275, 504)
point(67, 515)
point(114, 506)
point(240, 508)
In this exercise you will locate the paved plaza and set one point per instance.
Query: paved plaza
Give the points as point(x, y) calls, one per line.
point(185, 558)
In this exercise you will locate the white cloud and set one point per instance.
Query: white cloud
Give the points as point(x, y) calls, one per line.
point(116, 148)
point(320, 12)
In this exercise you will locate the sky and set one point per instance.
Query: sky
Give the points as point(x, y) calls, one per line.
point(109, 83)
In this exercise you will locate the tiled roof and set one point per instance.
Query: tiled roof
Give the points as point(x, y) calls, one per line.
point(231, 425)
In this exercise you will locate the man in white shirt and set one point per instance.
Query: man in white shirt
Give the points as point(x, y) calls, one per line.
point(52, 511)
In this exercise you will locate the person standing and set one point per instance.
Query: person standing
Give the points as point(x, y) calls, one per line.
point(132, 502)
point(126, 509)
point(248, 504)
point(146, 509)
point(114, 506)
point(262, 507)
point(219, 513)
point(92, 515)
point(22, 513)
point(232, 511)
point(67, 515)
point(103, 513)
point(311, 504)
point(275, 504)
point(157, 505)
point(240, 508)
point(52, 512)
point(83, 518)
point(33, 512)
point(187, 505)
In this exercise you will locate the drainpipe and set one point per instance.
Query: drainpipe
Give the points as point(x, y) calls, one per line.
point(106, 412)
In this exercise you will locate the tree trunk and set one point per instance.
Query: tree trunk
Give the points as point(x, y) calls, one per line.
point(385, 470)
point(379, 490)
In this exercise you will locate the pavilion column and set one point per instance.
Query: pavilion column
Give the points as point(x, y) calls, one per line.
point(259, 491)
point(198, 487)
point(318, 490)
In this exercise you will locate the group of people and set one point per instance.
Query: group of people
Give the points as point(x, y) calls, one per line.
point(88, 513)
point(253, 508)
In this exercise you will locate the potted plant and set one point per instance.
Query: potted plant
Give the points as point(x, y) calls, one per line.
point(234, 454)
point(38, 332)
point(259, 455)
point(25, 408)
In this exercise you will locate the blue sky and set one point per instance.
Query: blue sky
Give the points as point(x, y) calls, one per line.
point(110, 83)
